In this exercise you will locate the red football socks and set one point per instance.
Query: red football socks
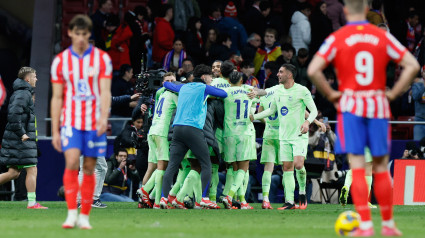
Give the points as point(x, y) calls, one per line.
point(70, 182)
point(359, 192)
point(384, 194)
point(87, 190)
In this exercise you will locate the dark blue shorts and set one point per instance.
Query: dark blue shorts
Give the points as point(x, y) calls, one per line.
point(354, 133)
point(87, 142)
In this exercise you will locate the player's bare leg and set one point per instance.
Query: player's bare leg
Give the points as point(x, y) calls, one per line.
point(11, 174)
point(31, 184)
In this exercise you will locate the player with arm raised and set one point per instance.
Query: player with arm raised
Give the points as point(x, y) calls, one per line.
point(290, 102)
point(360, 53)
point(81, 86)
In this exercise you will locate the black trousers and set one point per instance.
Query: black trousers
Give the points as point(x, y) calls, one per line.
point(187, 138)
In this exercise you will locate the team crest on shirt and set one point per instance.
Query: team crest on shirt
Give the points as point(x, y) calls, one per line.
point(284, 110)
point(92, 71)
point(290, 98)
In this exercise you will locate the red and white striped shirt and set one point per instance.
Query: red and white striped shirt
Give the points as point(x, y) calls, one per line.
point(2, 92)
point(360, 53)
point(80, 77)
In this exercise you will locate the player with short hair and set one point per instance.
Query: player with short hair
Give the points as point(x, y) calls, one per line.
point(237, 135)
point(148, 182)
point(360, 53)
point(216, 65)
point(270, 147)
point(290, 101)
point(81, 86)
point(158, 136)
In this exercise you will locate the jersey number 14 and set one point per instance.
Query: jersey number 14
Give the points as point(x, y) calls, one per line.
point(159, 107)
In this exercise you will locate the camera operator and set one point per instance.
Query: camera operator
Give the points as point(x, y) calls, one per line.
point(411, 151)
point(132, 138)
point(117, 178)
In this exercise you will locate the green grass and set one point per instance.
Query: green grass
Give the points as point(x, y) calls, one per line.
point(125, 220)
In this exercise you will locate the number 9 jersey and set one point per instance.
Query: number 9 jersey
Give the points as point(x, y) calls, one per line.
point(360, 53)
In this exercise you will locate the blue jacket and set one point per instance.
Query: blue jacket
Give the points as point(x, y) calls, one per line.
point(191, 105)
point(418, 89)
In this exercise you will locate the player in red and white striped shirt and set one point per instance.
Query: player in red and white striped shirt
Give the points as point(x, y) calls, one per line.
point(81, 82)
point(360, 53)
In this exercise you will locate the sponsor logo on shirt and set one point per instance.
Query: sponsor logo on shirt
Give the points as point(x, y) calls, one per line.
point(284, 110)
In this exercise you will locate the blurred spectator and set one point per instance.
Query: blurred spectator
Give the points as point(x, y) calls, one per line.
point(212, 35)
point(116, 180)
point(226, 25)
point(323, 105)
point(301, 63)
point(419, 52)
point(236, 60)
point(252, 17)
point(210, 22)
point(411, 151)
point(163, 34)
point(183, 72)
point(230, 10)
point(374, 16)
point(321, 27)
point(288, 52)
point(413, 34)
point(335, 13)
point(418, 95)
point(183, 11)
point(271, 69)
point(117, 42)
point(194, 41)
point(300, 30)
point(173, 60)
point(221, 50)
point(248, 69)
point(253, 42)
point(269, 20)
point(269, 52)
point(99, 20)
point(121, 86)
point(139, 25)
point(323, 143)
point(216, 68)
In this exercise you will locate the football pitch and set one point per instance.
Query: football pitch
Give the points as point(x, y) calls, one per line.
point(125, 220)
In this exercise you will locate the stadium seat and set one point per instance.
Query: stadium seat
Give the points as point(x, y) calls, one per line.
point(402, 131)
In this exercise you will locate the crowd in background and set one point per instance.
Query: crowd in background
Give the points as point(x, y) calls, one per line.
point(179, 35)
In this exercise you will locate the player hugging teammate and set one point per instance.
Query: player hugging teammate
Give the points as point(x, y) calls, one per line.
point(285, 106)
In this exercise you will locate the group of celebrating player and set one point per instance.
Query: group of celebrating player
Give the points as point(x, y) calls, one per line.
point(285, 140)
point(359, 52)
